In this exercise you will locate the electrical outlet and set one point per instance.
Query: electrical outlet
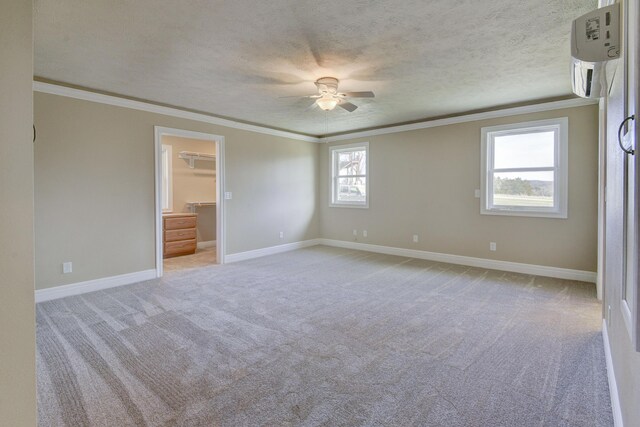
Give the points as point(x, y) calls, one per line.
point(364, 233)
point(492, 246)
point(228, 195)
point(355, 232)
point(67, 267)
point(282, 234)
point(477, 194)
point(415, 238)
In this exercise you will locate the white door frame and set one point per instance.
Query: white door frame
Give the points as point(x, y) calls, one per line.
point(159, 132)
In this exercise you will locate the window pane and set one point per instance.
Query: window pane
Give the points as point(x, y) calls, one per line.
point(351, 190)
point(352, 163)
point(532, 189)
point(524, 150)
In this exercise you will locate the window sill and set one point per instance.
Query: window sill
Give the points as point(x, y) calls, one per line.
point(535, 214)
point(348, 205)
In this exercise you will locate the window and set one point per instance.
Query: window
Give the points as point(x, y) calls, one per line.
point(349, 169)
point(524, 169)
point(167, 190)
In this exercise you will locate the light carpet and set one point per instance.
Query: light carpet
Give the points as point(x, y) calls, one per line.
point(326, 337)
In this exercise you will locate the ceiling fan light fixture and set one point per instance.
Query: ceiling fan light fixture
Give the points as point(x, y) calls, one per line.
point(327, 103)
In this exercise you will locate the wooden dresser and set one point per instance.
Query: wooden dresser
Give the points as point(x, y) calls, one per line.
point(179, 234)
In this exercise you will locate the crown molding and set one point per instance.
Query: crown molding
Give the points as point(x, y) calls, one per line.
point(505, 112)
point(159, 109)
point(86, 95)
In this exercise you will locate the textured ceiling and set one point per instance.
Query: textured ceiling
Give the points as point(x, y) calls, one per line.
point(236, 59)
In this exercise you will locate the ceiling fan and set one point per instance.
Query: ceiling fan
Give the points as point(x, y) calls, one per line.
point(328, 96)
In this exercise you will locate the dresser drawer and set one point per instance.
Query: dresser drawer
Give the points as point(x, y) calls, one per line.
point(183, 234)
point(180, 222)
point(179, 247)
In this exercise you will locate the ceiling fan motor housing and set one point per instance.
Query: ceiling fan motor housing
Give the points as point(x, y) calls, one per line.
point(327, 85)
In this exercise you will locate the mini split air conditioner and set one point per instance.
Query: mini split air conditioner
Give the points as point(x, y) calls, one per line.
point(595, 39)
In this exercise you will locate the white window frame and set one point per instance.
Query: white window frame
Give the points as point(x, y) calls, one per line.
point(560, 168)
point(333, 156)
point(167, 177)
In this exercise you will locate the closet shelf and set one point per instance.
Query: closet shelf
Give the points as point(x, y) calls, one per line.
point(193, 156)
point(193, 205)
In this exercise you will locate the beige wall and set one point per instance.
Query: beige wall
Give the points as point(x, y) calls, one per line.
point(94, 186)
point(626, 360)
point(17, 322)
point(422, 182)
point(197, 184)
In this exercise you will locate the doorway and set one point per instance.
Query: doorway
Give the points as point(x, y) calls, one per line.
point(189, 209)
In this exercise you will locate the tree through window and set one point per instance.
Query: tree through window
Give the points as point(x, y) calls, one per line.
point(349, 175)
point(524, 169)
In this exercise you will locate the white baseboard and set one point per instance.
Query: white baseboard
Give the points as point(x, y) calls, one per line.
point(126, 279)
point(537, 270)
point(613, 386)
point(271, 250)
point(93, 285)
point(207, 244)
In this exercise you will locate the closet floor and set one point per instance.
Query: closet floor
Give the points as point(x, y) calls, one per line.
point(202, 258)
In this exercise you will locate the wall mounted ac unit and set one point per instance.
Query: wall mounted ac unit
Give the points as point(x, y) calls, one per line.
point(595, 39)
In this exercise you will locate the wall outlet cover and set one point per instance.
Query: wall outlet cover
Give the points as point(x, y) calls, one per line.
point(67, 267)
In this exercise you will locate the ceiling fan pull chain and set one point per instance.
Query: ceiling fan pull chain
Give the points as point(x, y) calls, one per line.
point(326, 122)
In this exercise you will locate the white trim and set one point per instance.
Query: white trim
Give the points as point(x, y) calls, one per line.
point(625, 310)
point(537, 270)
point(175, 112)
point(494, 114)
point(271, 250)
point(616, 409)
point(332, 170)
point(168, 174)
point(560, 128)
point(93, 285)
point(207, 244)
point(221, 204)
point(183, 133)
point(159, 109)
point(602, 187)
point(159, 132)
point(157, 153)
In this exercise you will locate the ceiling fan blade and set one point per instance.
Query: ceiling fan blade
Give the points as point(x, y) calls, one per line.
point(299, 96)
point(367, 94)
point(348, 106)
